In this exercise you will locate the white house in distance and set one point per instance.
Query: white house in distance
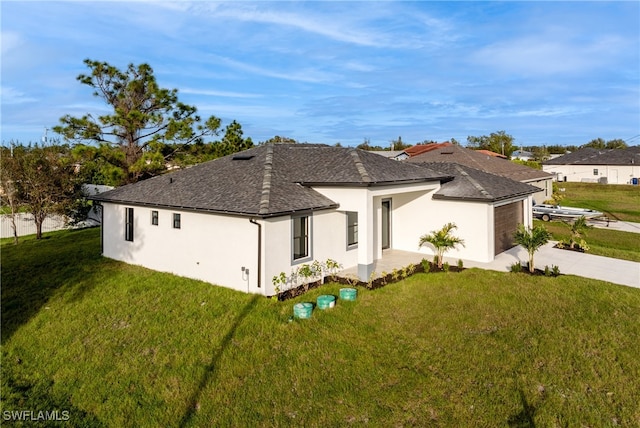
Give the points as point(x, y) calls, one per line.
point(239, 220)
point(608, 166)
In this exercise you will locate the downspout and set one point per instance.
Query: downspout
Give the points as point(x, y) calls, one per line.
point(259, 248)
point(101, 207)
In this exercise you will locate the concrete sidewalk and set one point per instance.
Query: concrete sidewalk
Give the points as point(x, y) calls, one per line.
point(617, 271)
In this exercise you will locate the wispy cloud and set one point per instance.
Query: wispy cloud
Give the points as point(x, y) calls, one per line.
point(11, 96)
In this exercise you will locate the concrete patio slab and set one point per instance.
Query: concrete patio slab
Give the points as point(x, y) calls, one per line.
point(616, 271)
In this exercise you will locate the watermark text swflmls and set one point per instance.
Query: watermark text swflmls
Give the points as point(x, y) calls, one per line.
point(36, 415)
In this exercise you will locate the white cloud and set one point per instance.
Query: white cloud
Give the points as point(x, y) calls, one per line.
point(11, 95)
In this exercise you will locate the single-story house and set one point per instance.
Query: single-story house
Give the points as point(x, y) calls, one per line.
point(492, 165)
point(240, 220)
point(608, 166)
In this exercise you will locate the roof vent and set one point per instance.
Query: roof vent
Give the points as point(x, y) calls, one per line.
point(446, 153)
point(242, 157)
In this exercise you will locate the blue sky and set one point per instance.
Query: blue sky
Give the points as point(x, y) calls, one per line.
point(328, 72)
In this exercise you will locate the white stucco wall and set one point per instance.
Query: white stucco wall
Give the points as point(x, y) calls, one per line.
point(615, 174)
point(327, 241)
point(474, 221)
point(208, 247)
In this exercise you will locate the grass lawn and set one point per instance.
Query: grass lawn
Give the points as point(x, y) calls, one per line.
point(119, 345)
point(620, 202)
point(601, 242)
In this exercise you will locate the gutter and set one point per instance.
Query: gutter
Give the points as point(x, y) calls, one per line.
point(252, 220)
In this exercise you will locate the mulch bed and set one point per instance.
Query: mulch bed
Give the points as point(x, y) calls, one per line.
point(352, 282)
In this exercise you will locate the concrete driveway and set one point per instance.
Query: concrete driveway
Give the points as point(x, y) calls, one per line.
point(617, 271)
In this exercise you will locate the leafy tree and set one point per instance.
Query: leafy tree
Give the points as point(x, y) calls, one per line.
point(442, 240)
point(145, 117)
point(540, 154)
point(278, 139)
point(498, 142)
point(556, 149)
point(616, 144)
point(399, 145)
point(233, 141)
point(44, 181)
point(531, 240)
point(599, 143)
point(8, 183)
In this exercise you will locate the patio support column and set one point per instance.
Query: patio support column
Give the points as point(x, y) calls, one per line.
point(366, 241)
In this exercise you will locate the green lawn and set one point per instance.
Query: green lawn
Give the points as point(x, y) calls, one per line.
point(601, 242)
point(118, 345)
point(620, 202)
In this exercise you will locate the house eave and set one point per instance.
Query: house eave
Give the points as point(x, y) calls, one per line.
point(218, 211)
point(476, 199)
point(375, 183)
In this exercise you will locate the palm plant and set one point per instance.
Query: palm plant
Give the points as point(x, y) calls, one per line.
point(442, 240)
point(531, 240)
point(578, 231)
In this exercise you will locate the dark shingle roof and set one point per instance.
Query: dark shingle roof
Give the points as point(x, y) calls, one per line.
point(483, 162)
point(475, 185)
point(591, 156)
point(268, 180)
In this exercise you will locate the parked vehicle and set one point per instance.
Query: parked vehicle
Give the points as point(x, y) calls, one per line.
point(546, 212)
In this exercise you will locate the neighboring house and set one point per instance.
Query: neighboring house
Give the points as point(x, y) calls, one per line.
point(523, 155)
point(91, 190)
point(490, 153)
point(239, 220)
point(608, 166)
point(391, 154)
point(492, 165)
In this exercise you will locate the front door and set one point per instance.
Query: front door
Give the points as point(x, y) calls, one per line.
point(386, 224)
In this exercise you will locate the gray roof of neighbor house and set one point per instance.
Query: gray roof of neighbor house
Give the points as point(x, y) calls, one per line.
point(591, 156)
point(483, 162)
point(268, 180)
point(474, 185)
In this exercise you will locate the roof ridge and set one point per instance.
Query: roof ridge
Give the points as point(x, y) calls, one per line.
point(266, 181)
point(473, 181)
point(360, 166)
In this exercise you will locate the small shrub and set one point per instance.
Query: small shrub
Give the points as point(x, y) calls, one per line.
point(371, 278)
point(516, 267)
point(460, 264)
point(547, 271)
point(555, 270)
point(583, 245)
point(395, 274)
point(403, 273)
point(446, 267)
point(384, 278)
point(411, 269)
point(426, 265)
